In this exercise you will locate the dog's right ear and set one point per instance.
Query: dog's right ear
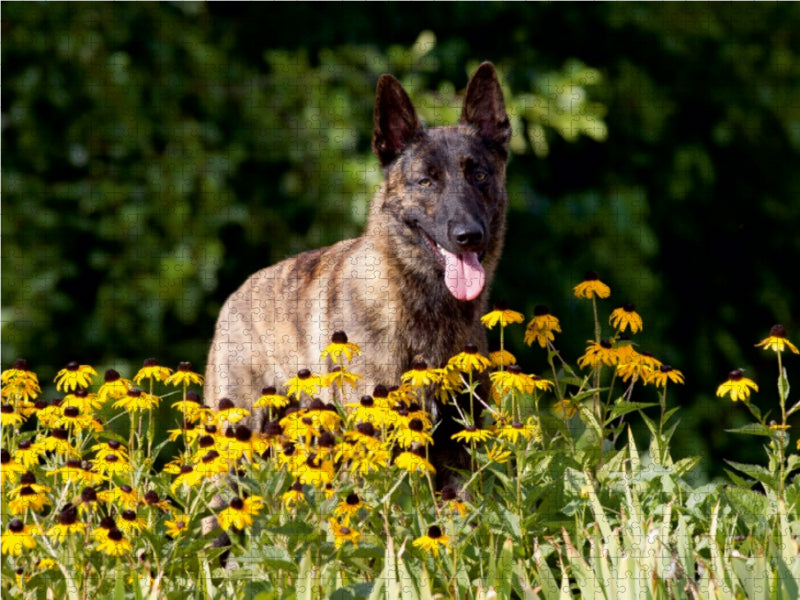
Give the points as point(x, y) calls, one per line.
point(396, 122)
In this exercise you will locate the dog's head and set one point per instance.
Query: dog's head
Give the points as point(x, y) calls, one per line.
point(446, 184)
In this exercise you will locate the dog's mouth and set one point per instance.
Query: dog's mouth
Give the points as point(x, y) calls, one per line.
point(463, 274)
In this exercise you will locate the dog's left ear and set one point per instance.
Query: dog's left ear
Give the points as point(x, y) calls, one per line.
point(485, 108)
point(395, 120)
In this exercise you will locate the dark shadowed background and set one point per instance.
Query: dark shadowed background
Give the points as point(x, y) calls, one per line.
point(154, 155)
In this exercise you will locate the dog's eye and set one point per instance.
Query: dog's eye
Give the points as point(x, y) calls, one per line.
point(424, 182)
point(479, 175)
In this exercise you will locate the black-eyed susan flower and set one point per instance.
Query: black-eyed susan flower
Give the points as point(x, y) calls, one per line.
point(414, 461)
point(191, 408)
point(598, 353)
point(643, 367)
point(367, 411)
point(501, 314)
point(48, 414)
point(325, 415)
point(58, 443)
point(542, 327)
point(420, 375)
point(184, 376)
point(18, 537)
point(29, 495)
point(228, 412)
point(305, 382)
point(414, 433)
point(152, 499)
point(151, 370)
point(566, 408)
point(349, 508)
point(501, 359)
point(137, 400)
point(737, 386)
point(498, 454)
point(72, 419)
point(26, 454)
point(511, 380)
point(776, 341)
point(19, 382)
point(83, 400)
point(270, 398)
point(315, 472)
point(369, 459)
point(177, 526)
point(129, 523)
point(340, 349)
point(73, 376)
point(294, 495)
point(89, 500)
point(343, 533)
point(68, 524)
point(472, 434)
point(114, 544)
point(113, 463)
point(122, 496)
point(469, 360)
point(516, 430)
point(106, 524)
point(115, 387)
point(665, 373)
point(9, 417)
point(432, 541)
point(591, 287)
point(110, 447)
point(626, 317)
point(11, 467)
point(452, 503)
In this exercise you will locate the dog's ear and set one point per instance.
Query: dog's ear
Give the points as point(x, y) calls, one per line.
point(396, 122)
point(485, 108)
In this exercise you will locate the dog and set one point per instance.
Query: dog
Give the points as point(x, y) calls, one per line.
point(414, 285)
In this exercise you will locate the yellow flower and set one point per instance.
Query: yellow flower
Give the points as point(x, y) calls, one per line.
point(777, 341)
point(67, 524)
point(472, 434)
point(228, 412)
point(349, 508)
point(512, 379)
point(665, 373)
point(8, 417)
point(541, 327)
point(432, 541)
point(737, 386)
point(591, 287)
point(452, 502)
point(413, 462)
point(137, 400)
point(340, 348)
point(567, 407)
point(342, 533)
point(129, 523)
point(339, 376)
point(74, 376)
point(644, 367)
point(414, 433)
point(114, 544)
point(315, 472)
point(270, 398)
point(151, 370)
point(177, 526)
point(624, 317)
point(501, 359)
point(184, 376)
point(498, 454)
point(123, 496)
point(294, 495)
point(367, 411)
point(114, 388)
point(12, 468)
point(598, 353)
point(501, 314)
point(515, 430)
point(58, 443)
point(470, 360)
point(420, 375)
point(305, 382)
point(18, 537)
point(19, 382)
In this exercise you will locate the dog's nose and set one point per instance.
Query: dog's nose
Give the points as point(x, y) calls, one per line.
point(467, 237)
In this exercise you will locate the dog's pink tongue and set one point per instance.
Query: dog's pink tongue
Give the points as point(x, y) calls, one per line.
point(463, 274)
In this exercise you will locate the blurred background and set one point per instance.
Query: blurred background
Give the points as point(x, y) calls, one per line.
point(156, 154)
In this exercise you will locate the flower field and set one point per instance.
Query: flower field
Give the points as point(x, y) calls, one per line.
point(342, 502)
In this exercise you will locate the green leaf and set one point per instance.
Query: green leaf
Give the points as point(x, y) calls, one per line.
point(623, 408)
point(752, 429)
point(757, 472)
point(783, 386)
point(751, 506)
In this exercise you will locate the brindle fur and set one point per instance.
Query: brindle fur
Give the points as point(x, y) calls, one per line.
point(385, 289)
